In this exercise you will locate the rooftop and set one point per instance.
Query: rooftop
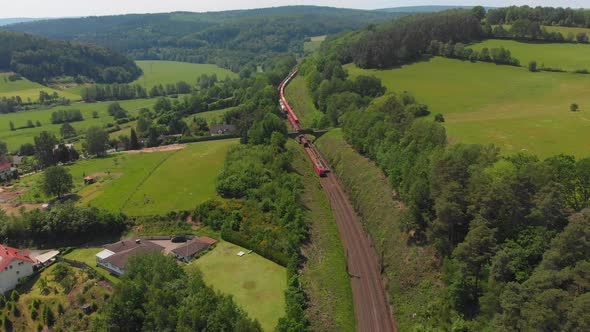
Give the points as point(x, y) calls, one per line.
point(8, 254)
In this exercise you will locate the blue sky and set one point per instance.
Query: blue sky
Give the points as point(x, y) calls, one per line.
point(62, 8)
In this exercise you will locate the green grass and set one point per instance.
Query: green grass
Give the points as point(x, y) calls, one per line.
point(568, 57)
point(88, 256)
point(324, 276)
point(509, 106)
point(567, 30)
point(27, 89)
point(145, 183)
point(15, 139)
point(183, 181)
point(411, 272)
point(301, 102)
point(256, 284)
point(212, 117)
point(170, 72)
point(314, 44)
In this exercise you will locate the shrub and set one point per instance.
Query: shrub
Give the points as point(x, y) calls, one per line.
point(533, 66)
point(574, 107)
point(243, 241)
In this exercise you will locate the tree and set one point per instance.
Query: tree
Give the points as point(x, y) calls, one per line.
point(45, 143)
point(479, 12)
point(67, 130)
point(12, 126)
point(56, 181)
point(96, 141)
point(262, 131)
point(95, 114)
point(3, 148)
point(533, 66)
point(574, 107)
point(133, 141)
point(38, 123)
point(582, 37)
point(439, 117)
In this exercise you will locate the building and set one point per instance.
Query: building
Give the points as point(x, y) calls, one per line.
point(115, 256)
point(6, 170)
point(192, 248)
point(222, 129)
point(15, 264)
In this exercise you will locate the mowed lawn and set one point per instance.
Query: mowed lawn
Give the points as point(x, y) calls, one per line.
point(256, 284)
point(184, 180)
point(569, 57)
point(27, 89)
point(170, 72)
point(509, 106)
point(301, 102)
point(88, 256)
point(15, 139)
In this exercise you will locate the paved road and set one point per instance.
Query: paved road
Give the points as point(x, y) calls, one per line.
point(370, 304)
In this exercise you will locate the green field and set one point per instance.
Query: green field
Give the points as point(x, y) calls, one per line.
point(145, 183)
point(314, 44)
point(509, 106)
point(256, 284)
point(16, 138)
point(88, 256)
point(301, 102)
point(568, 57)
point(324, 277)
point(170, 72)
point(212, 117)
point(27, 89)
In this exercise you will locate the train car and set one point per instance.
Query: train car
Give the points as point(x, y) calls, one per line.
point(319, 165)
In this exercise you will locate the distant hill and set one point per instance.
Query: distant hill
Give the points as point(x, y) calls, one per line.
point(40, 59)
point(7, 21)
point(423, 9)
point(230, 39)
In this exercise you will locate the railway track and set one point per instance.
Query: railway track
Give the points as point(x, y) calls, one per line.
point(371, 308)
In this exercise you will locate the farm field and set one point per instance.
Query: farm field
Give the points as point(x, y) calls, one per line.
point(27, 89)
point(170, 72)
point(16, 138)
point(256, 284)
point(569, 57)
point(509, 106)
point(301, 102)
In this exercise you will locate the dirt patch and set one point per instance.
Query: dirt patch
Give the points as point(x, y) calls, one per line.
point(14, 208)
point(172, 147)
point(10, 193)
point(249, 285)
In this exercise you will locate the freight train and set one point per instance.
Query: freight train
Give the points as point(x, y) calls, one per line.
point(319, 164)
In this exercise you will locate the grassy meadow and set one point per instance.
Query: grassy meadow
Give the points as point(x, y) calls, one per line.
point(27, 89)
point(569, 57)
point(301, 102)
point(170, 72)
point(256, 284)
point(88, 256)
point(14, 139)
point(509, 106)
point(145, 183)
point(212, 117)
point(314, 44)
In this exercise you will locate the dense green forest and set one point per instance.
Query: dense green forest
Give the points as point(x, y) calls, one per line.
point(509, 230)
point(41, 60)
point(543, 15)
point(229, 39)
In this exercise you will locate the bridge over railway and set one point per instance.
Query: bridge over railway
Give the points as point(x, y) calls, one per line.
point(371, 307)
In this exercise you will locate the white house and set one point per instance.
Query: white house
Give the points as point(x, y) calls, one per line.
point(114, 257)
point(15, 264)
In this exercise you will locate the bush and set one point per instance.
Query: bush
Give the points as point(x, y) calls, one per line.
point(192, 139)
point(533, 66)
point(242, 241)
point(582, 71)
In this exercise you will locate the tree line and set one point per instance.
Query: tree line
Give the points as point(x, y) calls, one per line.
point(496, 221)
point(567, 17)
point(41, 60)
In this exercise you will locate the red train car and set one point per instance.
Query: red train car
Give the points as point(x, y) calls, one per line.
point(319, 165)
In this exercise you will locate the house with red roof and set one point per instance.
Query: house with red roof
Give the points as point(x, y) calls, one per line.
point(6, 170)
point(15, 264)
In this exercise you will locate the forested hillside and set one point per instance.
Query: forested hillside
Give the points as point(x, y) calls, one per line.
point(40, 60)
point(509, 230)
point(229, 39)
